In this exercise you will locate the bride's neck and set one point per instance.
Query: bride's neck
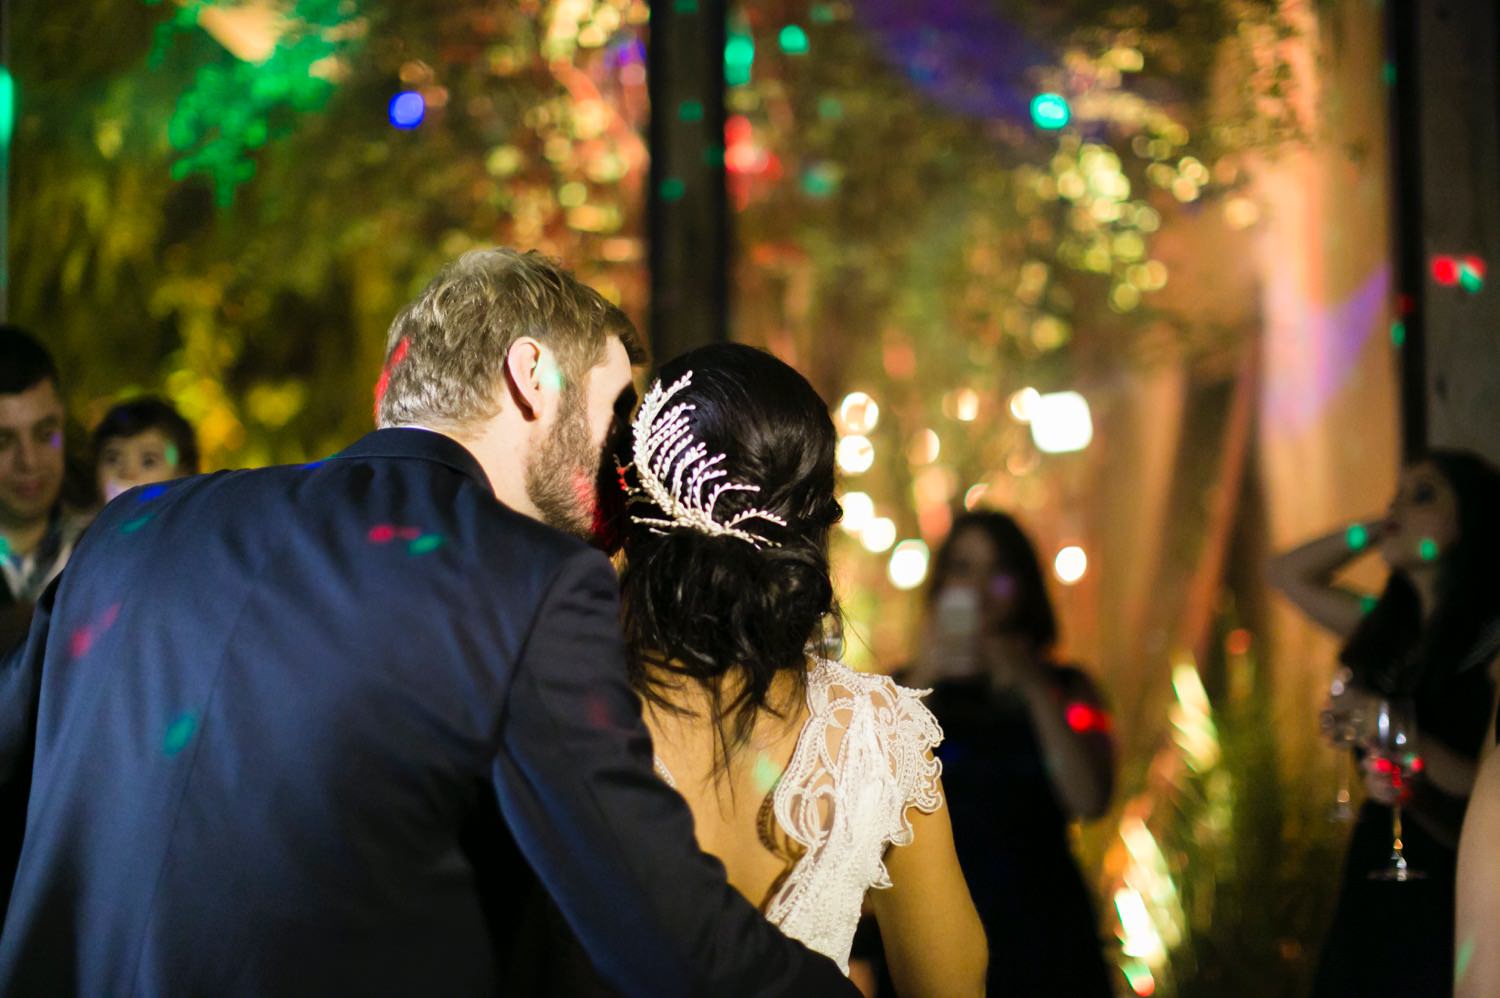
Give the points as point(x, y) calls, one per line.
point(690, 699)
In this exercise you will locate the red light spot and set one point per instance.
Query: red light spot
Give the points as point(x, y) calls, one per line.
point(397, 356)
point(383, 534)
point(1086, 718)
point(107, 619)
point(82, 641)
point(737, 129)
point(1237, 642)
point(1417, 765)
point(1384, 765)
point(1476, 265)
point(1445, 270)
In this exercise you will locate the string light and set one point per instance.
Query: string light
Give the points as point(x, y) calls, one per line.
point(879, 534)
point(858, 413)
point(859, 510)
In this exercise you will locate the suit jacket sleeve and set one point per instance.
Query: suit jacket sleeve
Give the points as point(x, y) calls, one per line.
point(20, 686)
point(614, 845)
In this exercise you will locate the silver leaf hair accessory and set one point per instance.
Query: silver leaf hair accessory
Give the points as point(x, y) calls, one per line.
point(674, 469)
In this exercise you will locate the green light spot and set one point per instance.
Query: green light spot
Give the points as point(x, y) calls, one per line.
point(1388, 74)
point(1357, 537)
point(4, 549)
point(132, 526)
point(685, 6)
point(820, 181)
point(1428, 549)
point(179, 733)
point(425, 544)
point(1050, 111)
point(793, 40)
point(690, 111)
point(1469, 279)
point(739, 57)
point(1465, 957)
point(766, 774)
point(672, 189)
point(7, 106)
point(1367, 603)
point(822, 13)
point(173, 454)
point(830, 109)
point(1398, 333)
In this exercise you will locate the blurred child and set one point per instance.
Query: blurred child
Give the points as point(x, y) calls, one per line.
point(141, 442)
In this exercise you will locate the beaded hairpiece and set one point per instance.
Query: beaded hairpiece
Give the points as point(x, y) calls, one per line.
point(674, 469)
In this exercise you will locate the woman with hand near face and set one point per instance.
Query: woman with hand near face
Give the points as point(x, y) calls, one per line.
point(1028, 739)
point(1432, 639)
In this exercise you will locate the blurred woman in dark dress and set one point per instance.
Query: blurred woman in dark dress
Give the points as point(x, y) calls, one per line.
point(1027, 741)
point(1431, 639)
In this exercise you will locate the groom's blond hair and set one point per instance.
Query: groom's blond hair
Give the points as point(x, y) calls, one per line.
point(445, 353)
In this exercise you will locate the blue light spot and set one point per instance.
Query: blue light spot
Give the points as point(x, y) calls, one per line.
point(407, 109)
point(179, 733)
point(151, 492)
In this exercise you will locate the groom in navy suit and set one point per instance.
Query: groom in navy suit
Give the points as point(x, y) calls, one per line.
point(313, 730)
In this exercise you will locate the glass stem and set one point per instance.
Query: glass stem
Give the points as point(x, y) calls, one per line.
point(1398, 854)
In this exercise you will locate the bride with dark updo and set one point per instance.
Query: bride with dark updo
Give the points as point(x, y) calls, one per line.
point(815, 785)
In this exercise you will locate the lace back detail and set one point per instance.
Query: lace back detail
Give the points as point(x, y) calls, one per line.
point(863, 757)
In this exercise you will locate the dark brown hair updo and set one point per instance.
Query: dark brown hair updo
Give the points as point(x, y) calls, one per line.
point(701, 606)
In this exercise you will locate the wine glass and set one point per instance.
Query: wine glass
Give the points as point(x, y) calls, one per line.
point(1340, 722)
point(1392, 743)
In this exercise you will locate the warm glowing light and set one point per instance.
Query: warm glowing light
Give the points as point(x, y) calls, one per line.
point(966, 405)
point(856, 454)
point(858, 413)
point(1023, 403)
point(1237, 641)
point(1070, 564)
point(975, 495)
point(908, 566)
point(1141, 938)
point(859, 510)
point(879, 534)
point(1060, 423)
point(925, 448)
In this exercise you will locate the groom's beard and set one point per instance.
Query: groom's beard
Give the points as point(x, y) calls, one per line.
point(561, 479)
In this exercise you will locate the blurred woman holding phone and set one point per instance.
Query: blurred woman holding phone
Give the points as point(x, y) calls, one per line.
point(1028, 742)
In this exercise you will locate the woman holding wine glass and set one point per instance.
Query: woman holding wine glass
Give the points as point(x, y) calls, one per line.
point(1419, 700)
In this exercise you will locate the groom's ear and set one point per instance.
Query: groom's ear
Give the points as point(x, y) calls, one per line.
point(526, 364)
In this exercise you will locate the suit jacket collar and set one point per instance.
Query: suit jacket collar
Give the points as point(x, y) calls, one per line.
point(420, 444)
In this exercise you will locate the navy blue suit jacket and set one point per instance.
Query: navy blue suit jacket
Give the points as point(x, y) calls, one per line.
point(310, 730)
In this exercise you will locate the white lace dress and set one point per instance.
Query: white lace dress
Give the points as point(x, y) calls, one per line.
point(863, 757)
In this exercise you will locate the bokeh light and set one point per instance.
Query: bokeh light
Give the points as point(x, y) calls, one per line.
point(1060, 423)
point(1050, 111)
point(859, 510)
point(908, 565)
point(879, 534)
point(1070, 564)
point(858, 413)
point(856, 454)
point(1023, 402)
point(407, 109)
